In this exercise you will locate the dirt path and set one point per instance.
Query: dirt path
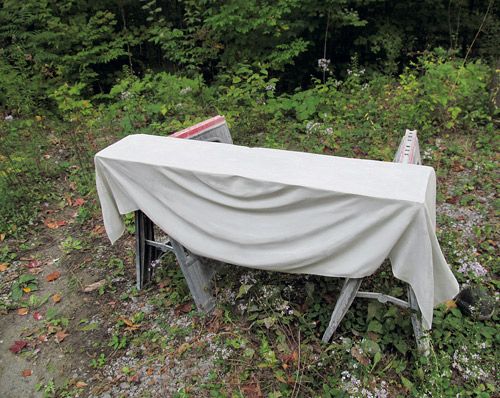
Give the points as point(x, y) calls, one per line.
point(57, 348)
point(111, 341)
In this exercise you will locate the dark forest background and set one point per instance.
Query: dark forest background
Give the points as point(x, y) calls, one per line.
point(47, 43)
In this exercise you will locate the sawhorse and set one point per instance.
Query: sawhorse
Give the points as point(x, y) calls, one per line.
point(199, 275)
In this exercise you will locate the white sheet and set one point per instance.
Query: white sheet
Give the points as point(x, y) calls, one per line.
point(281, 210)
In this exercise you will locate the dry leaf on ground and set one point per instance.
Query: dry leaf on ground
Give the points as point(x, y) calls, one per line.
point(27, 372)
point(80, 384)
point(22, 311)
point(183, 308)
point(35, 271)
point(18, 346)
point(183, 348)
point(53, 276)
point(134, 379)
point(78, 202)
point(61, 335)
point(94, 286)
point(34, 264)
point(252, 390)
point(56, 298)
point(357, 353)
point(98, 229)
point(54, 224)
point(3, 267)
point(130, 324)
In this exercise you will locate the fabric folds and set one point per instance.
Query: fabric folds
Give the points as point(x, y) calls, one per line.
point(281, 210)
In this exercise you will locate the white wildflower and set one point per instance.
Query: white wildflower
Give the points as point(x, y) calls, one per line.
point(323, 64)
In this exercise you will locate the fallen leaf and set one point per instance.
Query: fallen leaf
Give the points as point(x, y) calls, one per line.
point(94, 286)
point(359, 356)
point(149, 371)
point(53, 276)
point(164, 283)
point(61, 335)
point(68, 199)
point(80, 384)
point(127, 322)
point(134, 379)
point(2, 237)
point(78, 202)
point(27, 372)
point(33, 264)
point(183, 348)
point(98, 229)
point(43, 338)
point(56, 298)
point(450, 304)
point(280, 378)
point(35, 271)
point(3, 267)
point(37, 316)
point(54, 224)
point(51, 329)
point(130, 325)
point(72, 186)
point(457, 167)
point(293, 357)
point(183, 308)
point(22, 311)
point(252, 390)
point(26, 289)
point(18, 346)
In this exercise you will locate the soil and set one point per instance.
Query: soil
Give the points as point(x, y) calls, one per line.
point(46, 364)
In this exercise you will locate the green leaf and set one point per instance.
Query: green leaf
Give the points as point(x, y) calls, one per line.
point(374, 326)
point(243, 290)
point(26, 278)
point(407, 383)
point(376, 359)
point(16, 292)
point(370, 347)
point(401, 346)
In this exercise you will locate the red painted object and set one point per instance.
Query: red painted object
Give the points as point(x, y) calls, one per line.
point(199, 128)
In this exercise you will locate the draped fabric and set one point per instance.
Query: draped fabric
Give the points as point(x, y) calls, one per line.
point(281, 210)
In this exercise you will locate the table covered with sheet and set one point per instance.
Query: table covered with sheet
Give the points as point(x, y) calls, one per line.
point(281, 210)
